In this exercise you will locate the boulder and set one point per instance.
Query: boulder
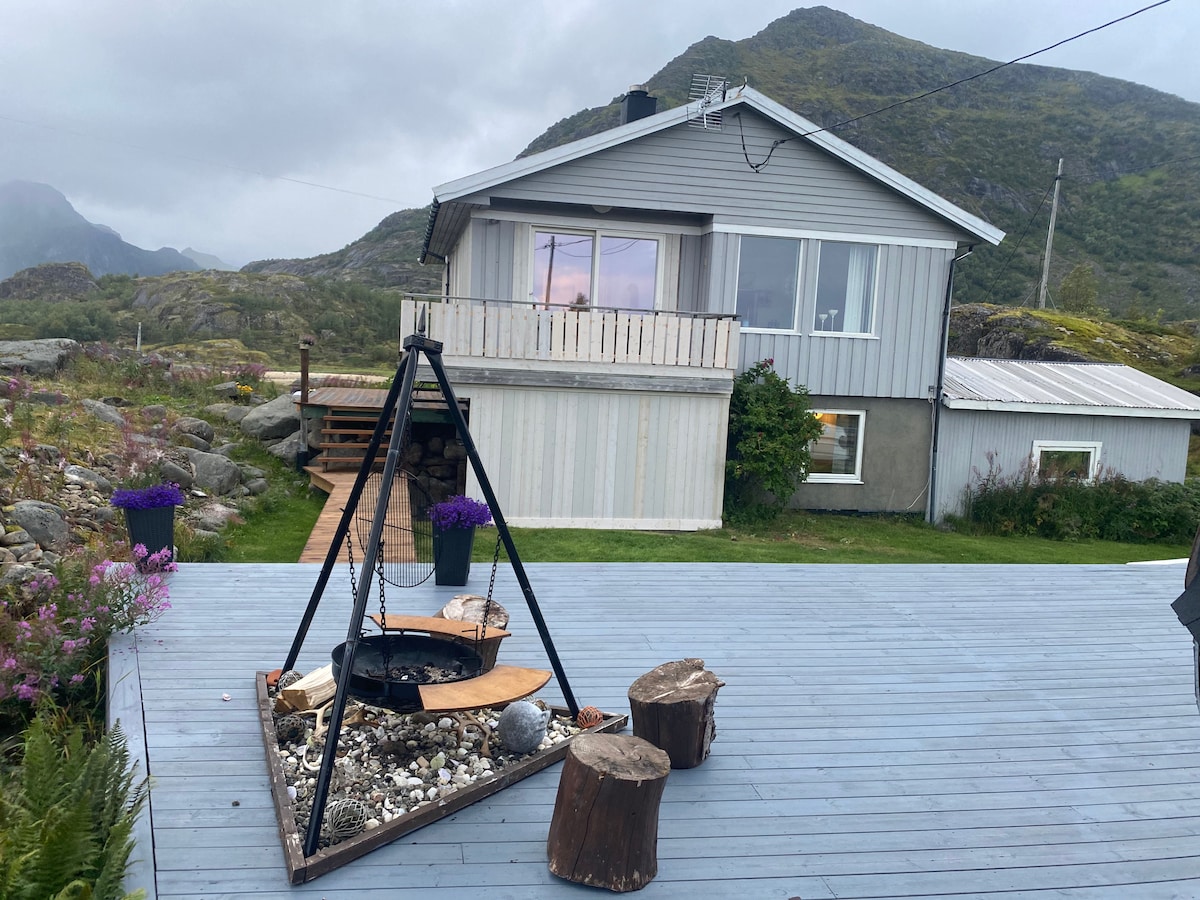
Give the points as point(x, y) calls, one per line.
point(88, 478)
point(171, 471)
point(104, 412)
point(276, 419)
point(45, 522)
point(289, 448)
point(40, 357)
point(212, 517)
point(195, 442)
point(213, 473)
point(155, 412)
point(194, 426)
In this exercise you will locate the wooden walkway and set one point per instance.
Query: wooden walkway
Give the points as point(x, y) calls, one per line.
point(337, 485)
point(886, 732)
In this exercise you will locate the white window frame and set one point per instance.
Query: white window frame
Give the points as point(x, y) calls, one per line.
point(797, 306)
point(812, 325)
point(596, 234)
point(1092, 447)
point(849, 478)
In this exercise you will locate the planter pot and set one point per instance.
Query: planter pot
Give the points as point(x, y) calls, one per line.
point(452, 555)
point(153, 527)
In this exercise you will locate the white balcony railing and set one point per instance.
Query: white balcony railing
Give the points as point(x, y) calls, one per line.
point(496, 329)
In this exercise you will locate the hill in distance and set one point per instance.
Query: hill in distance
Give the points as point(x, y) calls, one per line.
point(991, 146)
point(39, 225)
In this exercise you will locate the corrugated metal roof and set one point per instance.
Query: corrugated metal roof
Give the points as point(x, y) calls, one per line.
point(1097, 389)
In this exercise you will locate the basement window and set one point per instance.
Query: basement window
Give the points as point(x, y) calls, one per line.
point(837, 453)
point(1072, 460)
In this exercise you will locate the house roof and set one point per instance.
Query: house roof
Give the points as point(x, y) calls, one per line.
point(1094, 389)
point(446, 194)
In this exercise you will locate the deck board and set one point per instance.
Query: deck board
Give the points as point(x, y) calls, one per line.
point(885, 731)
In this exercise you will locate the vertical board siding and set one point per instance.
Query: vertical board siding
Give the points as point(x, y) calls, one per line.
point(900, 361)
point(588, 456)
point(689, 170)
point(1136, 448)
point(518, 331)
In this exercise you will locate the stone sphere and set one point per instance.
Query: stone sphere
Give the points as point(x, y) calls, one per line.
point(522, 726)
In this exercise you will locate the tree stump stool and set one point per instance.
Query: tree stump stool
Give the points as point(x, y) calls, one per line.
point(672, 708)
point(604, 831)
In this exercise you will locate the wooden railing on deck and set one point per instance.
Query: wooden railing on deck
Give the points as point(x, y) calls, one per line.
point(511, 330)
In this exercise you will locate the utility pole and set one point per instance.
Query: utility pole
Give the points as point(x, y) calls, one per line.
point(549, 274)
point(1049, 240)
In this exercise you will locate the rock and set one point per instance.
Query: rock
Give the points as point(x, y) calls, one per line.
point(257, 486)
point(104, 412)
point(198, 427)
point(288, 448)
point(214, 473)
point(171, 471)
point(88, 478)
point(155, 412)
point(15, 538)
point(194, 441)
point(41, 357)
point(276, 419)
point(235, 414)
point(45, 522)
point(212, 518)
point(18, 573)
point(522, 726)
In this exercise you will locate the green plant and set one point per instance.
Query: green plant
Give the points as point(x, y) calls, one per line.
point(771, 427)
point(67, 815)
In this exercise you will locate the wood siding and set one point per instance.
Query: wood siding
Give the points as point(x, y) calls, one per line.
point(690, 170)
point(601, 459)
point(508, 331)
point(1135, 448)
point(900, 360)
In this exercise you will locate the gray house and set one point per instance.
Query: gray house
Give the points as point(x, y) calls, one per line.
point(599, 297)
point(1079, 419)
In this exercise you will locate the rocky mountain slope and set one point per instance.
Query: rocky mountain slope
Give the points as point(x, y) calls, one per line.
point(38, 224)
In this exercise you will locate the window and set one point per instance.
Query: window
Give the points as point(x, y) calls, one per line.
point(1075, 460)
point(592, 268)
point(768, 277)
point(837, 453)
point(845, 288)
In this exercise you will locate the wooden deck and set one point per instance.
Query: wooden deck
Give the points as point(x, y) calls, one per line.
point(885, 732)
point(337, 485)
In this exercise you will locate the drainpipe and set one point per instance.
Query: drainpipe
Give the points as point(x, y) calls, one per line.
point(938, 388)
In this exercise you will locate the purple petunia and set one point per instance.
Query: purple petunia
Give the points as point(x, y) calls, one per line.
point(153, 497)
point(459, 512)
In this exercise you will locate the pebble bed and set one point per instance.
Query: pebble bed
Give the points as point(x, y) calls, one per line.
point(394, 763)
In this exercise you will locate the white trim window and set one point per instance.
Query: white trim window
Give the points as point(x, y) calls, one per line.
point(1076, 460)
point(845, 288)
point(768, 282)
point(585, 268)
point(837, 453)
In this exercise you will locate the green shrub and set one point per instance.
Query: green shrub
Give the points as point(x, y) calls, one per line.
point(1111, 508)
point(67, 814)
point(771, 427)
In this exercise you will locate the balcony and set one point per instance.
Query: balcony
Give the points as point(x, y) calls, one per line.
point(473, 331)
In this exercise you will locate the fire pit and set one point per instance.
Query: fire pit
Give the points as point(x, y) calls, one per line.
point(390, 668)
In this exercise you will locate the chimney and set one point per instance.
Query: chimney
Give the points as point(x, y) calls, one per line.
point(637, 104)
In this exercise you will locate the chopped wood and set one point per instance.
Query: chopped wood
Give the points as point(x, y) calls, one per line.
point(309, 692)
point(604, 831)
point(672, 708)
point(470, 607)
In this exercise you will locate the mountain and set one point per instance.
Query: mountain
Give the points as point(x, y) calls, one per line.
point(385, 257)
point(207, 260)
point(990, 145)
point(38, 225)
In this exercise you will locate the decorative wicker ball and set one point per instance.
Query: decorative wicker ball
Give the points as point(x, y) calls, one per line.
point(345, 818)
point(287, 679)
point(522, 726)
point(290, 729)
point(589, 716)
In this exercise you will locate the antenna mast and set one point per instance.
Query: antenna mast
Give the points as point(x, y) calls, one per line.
point(1050, 240)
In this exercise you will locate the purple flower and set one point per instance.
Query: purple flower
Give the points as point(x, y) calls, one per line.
point(26, 692)
point(153, 497)
point(459, 512)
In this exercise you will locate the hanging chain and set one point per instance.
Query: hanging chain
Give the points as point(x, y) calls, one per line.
point(350, 556)
point(382, 598)
point(487, 606)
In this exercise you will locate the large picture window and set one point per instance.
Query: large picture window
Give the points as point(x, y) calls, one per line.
point(591, 268)
point(768, 276)
point(837, 453)
point(845, 288)
point(1076, 460)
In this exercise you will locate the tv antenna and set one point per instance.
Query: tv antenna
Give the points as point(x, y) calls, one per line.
point(707, 91)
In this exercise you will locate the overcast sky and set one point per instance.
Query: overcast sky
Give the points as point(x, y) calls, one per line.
point(190, 123)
